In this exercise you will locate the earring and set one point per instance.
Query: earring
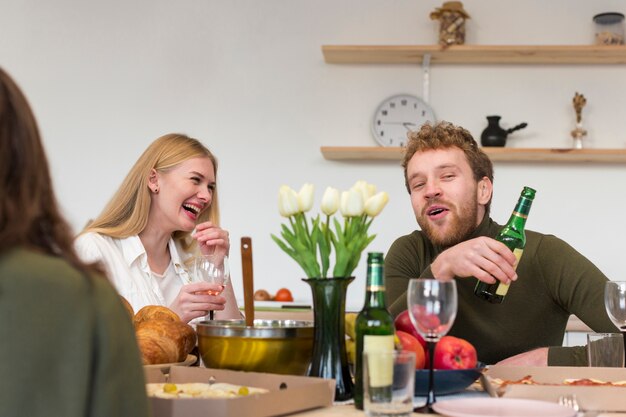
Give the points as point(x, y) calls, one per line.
point(156, 190)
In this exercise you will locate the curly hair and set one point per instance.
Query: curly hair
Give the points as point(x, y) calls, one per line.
point(444, 135)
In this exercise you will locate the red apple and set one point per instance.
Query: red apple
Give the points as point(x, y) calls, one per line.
point(403, 323)
point(454, 353)
point(410, 343)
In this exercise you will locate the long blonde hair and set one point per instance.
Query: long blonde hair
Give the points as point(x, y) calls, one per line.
point(126, 214)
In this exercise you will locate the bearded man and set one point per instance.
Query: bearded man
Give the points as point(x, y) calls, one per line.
point(450, 182)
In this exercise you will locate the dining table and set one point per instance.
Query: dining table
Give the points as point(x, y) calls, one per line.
point(343, 410)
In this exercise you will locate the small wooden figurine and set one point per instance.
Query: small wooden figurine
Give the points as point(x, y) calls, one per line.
point(578, 133)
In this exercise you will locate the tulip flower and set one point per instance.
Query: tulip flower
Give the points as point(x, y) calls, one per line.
point(310, 241)
point(287, 201)
point(351, 203)
point(366, 190)
point(375, 204)
point(330, 201)
point(305, 197)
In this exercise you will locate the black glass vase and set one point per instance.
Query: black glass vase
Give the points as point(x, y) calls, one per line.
point(330, 359)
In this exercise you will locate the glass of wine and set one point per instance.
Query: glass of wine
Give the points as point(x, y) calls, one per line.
point(615, 304)
point(213, 269)
point(432, 308)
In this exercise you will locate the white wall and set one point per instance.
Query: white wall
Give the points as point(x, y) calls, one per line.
point(248, 78)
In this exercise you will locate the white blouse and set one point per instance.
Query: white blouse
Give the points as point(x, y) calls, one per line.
point(126, 264)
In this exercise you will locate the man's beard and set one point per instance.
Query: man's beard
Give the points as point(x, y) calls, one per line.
point(463, 224)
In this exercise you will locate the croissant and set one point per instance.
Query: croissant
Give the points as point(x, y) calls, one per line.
point(156, 349)
point(162, 336)
point(182, 335)
point(153, 312)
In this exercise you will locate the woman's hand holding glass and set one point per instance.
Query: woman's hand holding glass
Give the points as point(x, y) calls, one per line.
point(212, 269)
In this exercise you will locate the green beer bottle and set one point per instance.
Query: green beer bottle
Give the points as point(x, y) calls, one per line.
point(514, 237)
point(374, 325)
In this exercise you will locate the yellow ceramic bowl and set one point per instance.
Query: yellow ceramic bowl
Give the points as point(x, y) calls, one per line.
point(273, 346)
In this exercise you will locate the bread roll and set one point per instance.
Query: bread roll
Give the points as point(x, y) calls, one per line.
point(155, 312)
point(156, 349)
point(177, 331)
point(162, 337)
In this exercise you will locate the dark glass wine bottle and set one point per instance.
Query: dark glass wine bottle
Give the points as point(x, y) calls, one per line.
point(374, 324)
point(514, 237)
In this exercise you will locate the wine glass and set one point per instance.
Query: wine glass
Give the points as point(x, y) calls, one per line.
point(615, 304)
point(432, 308)
point(213, 269)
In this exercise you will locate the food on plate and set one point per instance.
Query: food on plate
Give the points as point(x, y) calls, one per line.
point(454, 353)
point(410, 343)
point(262, 295)
point(450, 352)
point(528, 380)
point(152, 312)
point(283, 295)
point(161, 336)
point(156, 349)
point(201, 390)
point(594, 382)
point(182, 335)
point(403, 323)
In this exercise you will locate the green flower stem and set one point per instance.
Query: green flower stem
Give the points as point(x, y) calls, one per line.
point(302, 242)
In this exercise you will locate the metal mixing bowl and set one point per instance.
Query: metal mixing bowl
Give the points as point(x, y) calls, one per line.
point(273, 346)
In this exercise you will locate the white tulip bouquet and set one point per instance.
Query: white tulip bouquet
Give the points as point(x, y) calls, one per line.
point(310, 241)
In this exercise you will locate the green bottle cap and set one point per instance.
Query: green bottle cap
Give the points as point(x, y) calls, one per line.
point(529, 193)
point(375, 257)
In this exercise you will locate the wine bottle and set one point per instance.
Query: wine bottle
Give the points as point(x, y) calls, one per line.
point(514, 237)
point(374, 324)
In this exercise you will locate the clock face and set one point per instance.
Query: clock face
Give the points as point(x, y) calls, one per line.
point(398, 115)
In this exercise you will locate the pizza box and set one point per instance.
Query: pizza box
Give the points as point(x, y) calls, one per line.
point(287, 394)
point(605, 398)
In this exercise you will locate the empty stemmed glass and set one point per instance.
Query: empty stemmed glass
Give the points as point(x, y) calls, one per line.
point(432, 308)
point(213, 269)
point(615, 304)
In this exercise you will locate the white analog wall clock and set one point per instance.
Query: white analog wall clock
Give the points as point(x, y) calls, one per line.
point(397, 115)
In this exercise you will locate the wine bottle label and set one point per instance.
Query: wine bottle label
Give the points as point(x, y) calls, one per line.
point(504, 288)
point(379, 351)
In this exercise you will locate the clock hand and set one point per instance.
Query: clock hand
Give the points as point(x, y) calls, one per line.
point(405, 124)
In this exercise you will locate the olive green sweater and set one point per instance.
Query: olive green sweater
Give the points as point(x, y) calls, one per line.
point(67, 345)
point(554, 282)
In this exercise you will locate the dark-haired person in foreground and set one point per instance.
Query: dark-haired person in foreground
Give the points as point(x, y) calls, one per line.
point(67, 345)
point(450, 183)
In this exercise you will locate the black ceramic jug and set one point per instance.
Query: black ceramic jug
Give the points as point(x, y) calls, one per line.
point(494, 135)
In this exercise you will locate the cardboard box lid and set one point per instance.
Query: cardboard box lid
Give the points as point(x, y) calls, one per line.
point(288, 394)
point(589, 397)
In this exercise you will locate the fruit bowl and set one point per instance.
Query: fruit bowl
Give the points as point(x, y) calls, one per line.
point(447, 381)
point(273, 346)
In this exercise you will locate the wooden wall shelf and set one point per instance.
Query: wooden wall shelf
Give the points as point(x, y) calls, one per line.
point(372, 153)
point(475, 54)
